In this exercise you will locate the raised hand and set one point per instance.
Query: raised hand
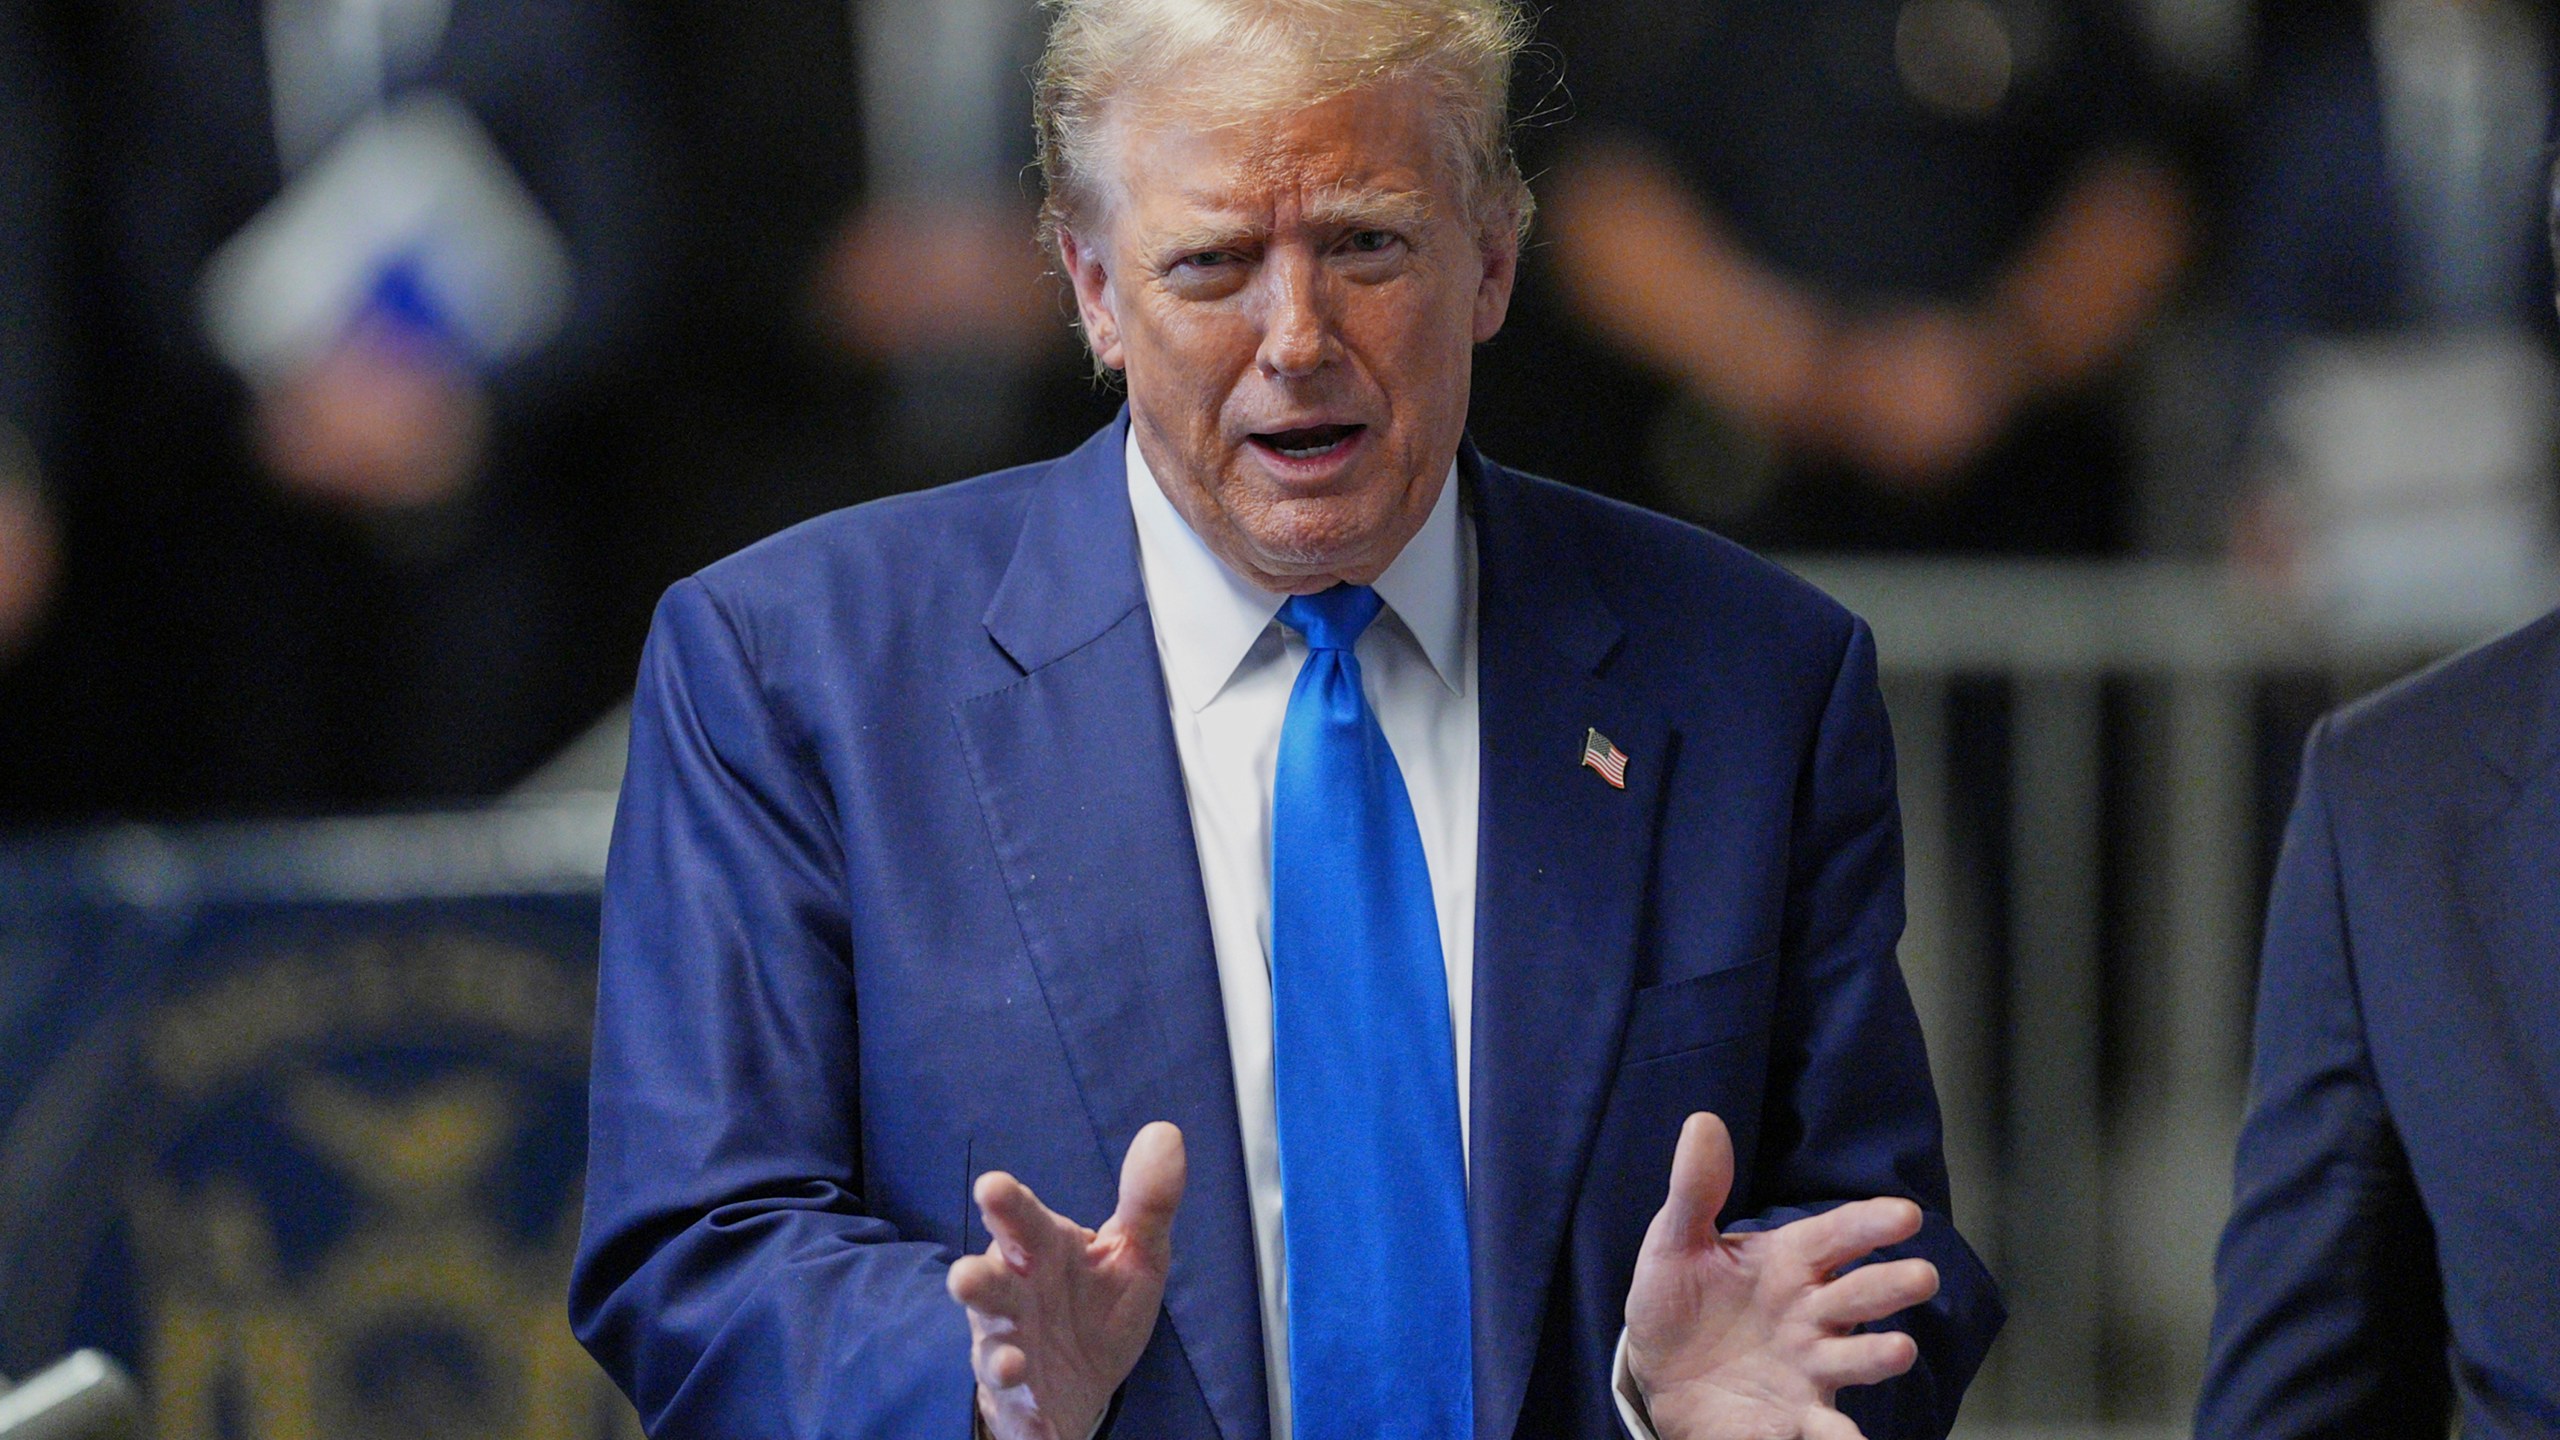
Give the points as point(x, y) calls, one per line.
point(380, 423)
point(1917, 396)
point(1749, 1336)
point(1057, 1313)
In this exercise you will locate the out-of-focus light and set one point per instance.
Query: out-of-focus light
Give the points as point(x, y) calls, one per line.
point(1956, 56)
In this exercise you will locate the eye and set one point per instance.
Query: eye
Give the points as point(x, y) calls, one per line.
point(1210, 272)
point(1369, 242)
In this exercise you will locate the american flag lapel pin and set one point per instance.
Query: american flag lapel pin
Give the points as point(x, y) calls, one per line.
point(1608, 759)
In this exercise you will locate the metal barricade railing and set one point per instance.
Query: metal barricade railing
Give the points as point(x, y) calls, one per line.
point(2083, 962)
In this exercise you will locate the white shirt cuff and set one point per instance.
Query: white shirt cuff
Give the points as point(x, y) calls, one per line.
point(1622, 1387)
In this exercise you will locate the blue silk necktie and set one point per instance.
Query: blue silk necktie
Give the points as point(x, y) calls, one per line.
point(1372, 1177)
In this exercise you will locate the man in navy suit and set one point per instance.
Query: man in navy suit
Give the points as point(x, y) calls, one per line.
point(1070, 843)
point(2395, 1202)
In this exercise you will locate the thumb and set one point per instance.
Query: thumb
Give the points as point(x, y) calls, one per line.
point(1701, 1178)
point(1151, 1181)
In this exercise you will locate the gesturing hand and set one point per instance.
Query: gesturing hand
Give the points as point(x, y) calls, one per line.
point(1057, 1313)
point(1748, 1336)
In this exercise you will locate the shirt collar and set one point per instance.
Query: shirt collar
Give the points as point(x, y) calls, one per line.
point(1220, 615)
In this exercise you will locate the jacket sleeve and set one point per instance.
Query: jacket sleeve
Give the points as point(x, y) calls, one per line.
point(728, 1277)
point(1851, 1112)
point(2329, 1318)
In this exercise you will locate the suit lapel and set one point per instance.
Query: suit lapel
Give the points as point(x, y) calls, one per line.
point(1561, 873)
point(1078, 778)
point(2511, 881)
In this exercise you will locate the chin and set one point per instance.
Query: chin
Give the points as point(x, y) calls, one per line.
point(1320, 543)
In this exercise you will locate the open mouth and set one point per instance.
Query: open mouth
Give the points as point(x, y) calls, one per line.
point(1311, 442)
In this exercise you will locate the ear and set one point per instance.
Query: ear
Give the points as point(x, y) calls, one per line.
point(1097, 302)
point(1501, 249)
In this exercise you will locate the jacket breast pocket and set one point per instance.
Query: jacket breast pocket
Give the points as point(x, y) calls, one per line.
point(1683, 1015)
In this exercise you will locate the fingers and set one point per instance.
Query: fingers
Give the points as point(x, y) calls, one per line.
point(984, 1283)
point(1151, 1182)
point(1865, 1359)
point(1051, 1297)
point(1002, 1365)
point(1825, 1423)
point(996, 1298)
point(1021, 1227)
point(1873, 1292)
point(1835, 1238)
point(993, 1294)
point(1701, 1178)
point(1020, 1231)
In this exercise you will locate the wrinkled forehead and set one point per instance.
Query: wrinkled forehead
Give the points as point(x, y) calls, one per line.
point(1370, 155)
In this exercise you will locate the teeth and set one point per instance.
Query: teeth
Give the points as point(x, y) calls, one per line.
point(1312, 442)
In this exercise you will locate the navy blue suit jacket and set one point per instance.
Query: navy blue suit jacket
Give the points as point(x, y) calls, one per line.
point(903, 889)
point(2397, 1205)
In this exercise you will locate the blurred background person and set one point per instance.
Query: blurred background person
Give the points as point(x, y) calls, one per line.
point(2390, 302)
point(30, 230)
point(855, 304)
point(2391, 167)
point(1888, 252)
point(337, 284)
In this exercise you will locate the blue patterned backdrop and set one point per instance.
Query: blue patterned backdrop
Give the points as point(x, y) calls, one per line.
point(292, 1120)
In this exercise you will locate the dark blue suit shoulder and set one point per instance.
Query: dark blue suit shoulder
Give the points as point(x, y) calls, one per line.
point(968, 526)
point(2497, 701)
point(903, 583)
point(1687, 591)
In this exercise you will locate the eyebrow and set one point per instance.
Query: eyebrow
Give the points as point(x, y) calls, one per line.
point(1339, 209)
point(1371, 209)
point(1208, 235)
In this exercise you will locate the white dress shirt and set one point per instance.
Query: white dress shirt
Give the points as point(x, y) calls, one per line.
point(1229, 666)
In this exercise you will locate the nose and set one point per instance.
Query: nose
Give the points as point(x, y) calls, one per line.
point(1297, 331)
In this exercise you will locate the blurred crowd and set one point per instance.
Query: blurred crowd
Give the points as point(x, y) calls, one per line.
point(368, 366)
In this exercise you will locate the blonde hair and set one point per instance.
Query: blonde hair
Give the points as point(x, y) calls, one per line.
point(1228, 61)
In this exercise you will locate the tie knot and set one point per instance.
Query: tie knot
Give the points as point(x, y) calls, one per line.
point(1332, 619)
